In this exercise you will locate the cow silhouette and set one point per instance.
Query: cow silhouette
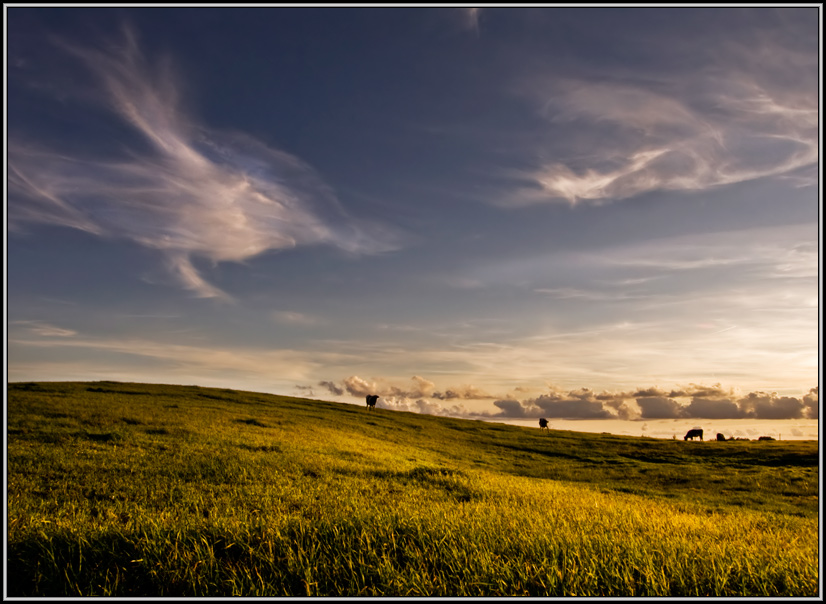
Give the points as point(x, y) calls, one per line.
point(371, 401)
point(692, 433)
point(543, 424)
point(720, 436)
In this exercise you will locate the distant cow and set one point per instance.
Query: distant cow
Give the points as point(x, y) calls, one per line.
point(720, 436)
point(692, 433)
point(371, 401)
point(543, 423)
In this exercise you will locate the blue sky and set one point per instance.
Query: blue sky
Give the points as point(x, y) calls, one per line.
point(496, 212)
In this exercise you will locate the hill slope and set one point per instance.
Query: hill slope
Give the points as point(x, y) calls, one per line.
point(140, 489)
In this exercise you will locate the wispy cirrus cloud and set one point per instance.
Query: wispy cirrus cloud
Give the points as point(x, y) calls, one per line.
point(142, 356)
point(636, 268)
point(46, 330)
point(178, 187)
point(787, 251)
point(291, 317)
point(470, 16)
point(761, 336)
point(735, 115)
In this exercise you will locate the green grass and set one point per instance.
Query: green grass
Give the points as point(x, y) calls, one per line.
point(120, 489)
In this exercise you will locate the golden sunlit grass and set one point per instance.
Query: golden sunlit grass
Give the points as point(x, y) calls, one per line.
point(144, 490)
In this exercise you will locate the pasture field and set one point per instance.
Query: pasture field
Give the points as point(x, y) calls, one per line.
point(123, 489)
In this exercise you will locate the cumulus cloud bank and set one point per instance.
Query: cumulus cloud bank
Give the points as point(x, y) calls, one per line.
point(185, 190)
point(693, 401)
point(686, 402)
point(419, 388)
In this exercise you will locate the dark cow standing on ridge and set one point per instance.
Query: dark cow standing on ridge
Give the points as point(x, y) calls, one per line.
point(371, 401)
point(692, 433)
point(543, 423)
point(721, 437)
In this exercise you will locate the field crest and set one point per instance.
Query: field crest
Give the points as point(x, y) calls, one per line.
point(155, 490)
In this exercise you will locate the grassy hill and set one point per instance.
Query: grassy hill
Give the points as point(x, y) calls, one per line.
point(136, 489)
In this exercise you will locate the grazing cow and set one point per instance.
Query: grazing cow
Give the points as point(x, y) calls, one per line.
point(543, 423)
point(720, 436)
point(371, 401)
point(692, 433)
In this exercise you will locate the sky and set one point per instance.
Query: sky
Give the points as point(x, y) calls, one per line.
point(494, 213)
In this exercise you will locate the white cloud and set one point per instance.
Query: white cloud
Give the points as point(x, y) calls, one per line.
point(657, 266)
point(195, 193)
point(291, 317)
point(418, 388)
point(205, 363)
point(572, 293)
point(627, 132)
point(400, 403)
point(682, 152)
point(46, 330)
point(470, 16)
point(679, 402)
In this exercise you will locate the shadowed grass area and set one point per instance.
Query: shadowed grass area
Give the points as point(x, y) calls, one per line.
point(121, 489)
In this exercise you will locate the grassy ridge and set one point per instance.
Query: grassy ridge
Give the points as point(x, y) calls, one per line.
point(134, 489)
